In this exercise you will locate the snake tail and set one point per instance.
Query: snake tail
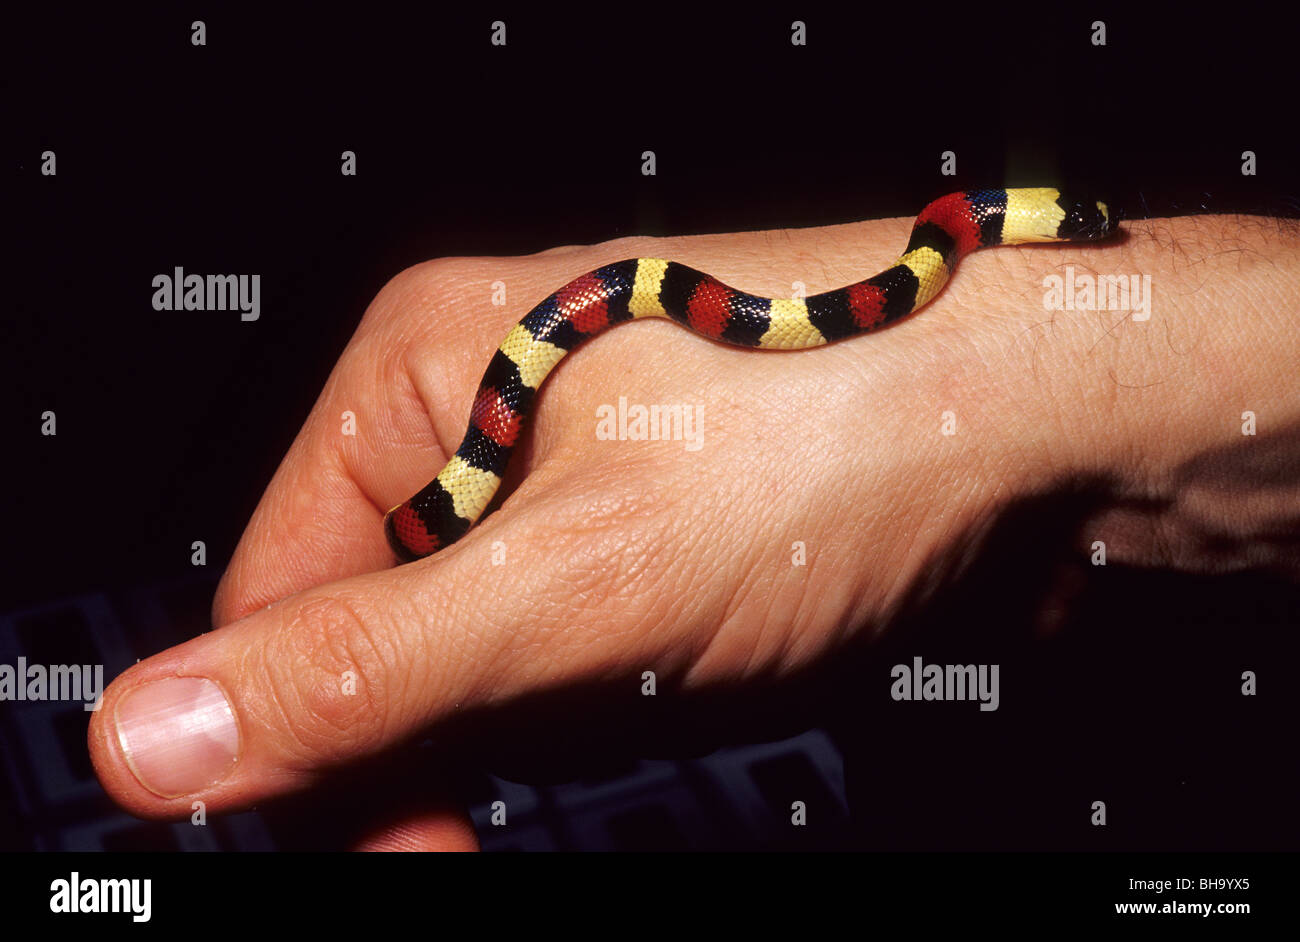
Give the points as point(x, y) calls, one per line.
point(947, 229)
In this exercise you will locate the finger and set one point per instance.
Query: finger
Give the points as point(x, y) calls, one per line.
point(265, 705)
point(441, 830)
point(393, 410)
point(313, 525)
point(318, 521)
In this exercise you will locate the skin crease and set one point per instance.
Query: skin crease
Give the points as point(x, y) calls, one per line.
point(628, 556)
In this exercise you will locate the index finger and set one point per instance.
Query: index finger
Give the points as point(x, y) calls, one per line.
point(367, 441)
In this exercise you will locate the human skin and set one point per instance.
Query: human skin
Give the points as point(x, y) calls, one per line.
point(623, 557)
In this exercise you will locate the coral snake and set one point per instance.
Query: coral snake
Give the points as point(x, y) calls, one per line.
point(946, 229)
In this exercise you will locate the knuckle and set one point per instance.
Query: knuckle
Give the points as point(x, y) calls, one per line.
point(328, 672)
point(422, 290)
point(560, 251)
point(637, 246)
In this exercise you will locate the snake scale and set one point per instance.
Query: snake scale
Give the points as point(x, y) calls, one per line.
point(945, 230)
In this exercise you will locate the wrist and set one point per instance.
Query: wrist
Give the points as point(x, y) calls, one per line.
point(1134, 398)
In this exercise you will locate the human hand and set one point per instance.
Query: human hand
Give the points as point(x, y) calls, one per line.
point(628, 556)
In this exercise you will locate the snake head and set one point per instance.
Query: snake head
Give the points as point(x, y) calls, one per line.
point(1086, 220)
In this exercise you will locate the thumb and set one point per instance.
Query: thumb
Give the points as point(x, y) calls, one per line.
point(262, 706)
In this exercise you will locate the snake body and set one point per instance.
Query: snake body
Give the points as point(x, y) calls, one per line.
point(945, 230)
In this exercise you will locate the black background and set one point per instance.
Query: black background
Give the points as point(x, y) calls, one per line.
point(225, 158)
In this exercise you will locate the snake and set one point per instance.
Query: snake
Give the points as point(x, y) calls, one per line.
point(945, 230)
